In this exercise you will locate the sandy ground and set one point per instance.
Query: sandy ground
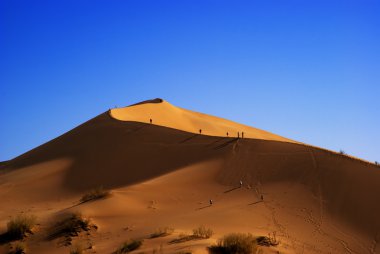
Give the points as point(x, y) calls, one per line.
point(164, 174)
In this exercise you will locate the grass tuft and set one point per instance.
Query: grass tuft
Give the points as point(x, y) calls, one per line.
point(71, 225)
point(202, 232)
point(77, 249)
point(18, 248)
point(19, 226)
point(235, 243)
point(129, 246)
point(95, 194)
point(161, 232)
point(270, 240)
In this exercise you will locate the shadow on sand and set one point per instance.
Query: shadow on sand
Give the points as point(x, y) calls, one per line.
point(254, 203)
point(189, 138)
point(139, 127)
point(204, 207)
point(226, 143)
point(235, 188)
point(216, 141)
point(6, 238)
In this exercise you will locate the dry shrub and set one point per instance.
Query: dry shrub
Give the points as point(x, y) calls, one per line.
point(95, 194)
point(18, 248)
point(77, 249)
point(129, 246)
point(235, 243)
point(270, 240)
point(161, 232)
point(19, 226)
point(202, 232)
point(71, 225)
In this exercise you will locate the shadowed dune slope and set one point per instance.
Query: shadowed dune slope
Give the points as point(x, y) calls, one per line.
point(105, 151)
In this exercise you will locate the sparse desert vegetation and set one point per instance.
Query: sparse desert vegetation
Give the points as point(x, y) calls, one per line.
point(19, 226)
point(71, 225)
point(202, 232)
point(129, 246)
point(18, 248)
point(77, 249)
point(270, 240)
point(183, 238)
point(235, 243)
point(342, 152)
point(161, 232)
point(95, 194)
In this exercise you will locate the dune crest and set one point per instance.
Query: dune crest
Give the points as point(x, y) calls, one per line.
point(165, 114)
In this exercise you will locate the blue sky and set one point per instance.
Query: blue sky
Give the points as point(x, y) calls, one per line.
point(306, 70)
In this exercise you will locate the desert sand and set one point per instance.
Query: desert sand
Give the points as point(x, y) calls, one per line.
point(163, 174)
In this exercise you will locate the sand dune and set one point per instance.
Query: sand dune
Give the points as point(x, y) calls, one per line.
point(164, 173)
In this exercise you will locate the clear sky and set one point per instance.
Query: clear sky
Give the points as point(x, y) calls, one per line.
point(307, 70)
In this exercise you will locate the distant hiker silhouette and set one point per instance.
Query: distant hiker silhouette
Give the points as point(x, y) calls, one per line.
point(241, 183)
point(200, 131)
point(211, 202)
point(242, 134)
point(227, 133)
point(262, 198)
point(150, 120)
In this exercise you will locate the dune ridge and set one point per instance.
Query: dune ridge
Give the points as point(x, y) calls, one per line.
point(174, 117)
point(165, 114)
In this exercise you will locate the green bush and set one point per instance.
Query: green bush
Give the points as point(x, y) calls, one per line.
point(94, 194)
point(235, 243)
point(20, 225)
point(129, 246)
point(202, 232)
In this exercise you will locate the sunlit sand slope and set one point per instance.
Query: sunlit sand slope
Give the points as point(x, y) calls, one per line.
point(165, 114)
